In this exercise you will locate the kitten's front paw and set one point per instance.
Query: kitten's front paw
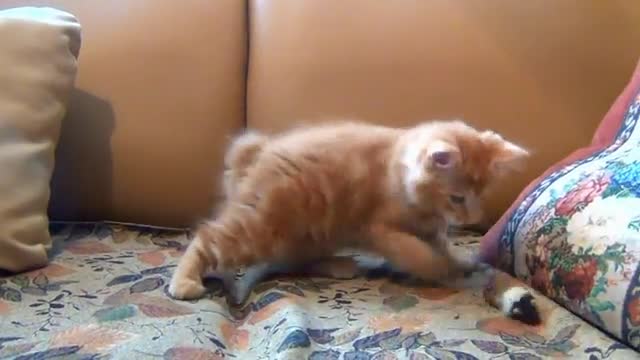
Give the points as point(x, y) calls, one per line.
point(186, 289)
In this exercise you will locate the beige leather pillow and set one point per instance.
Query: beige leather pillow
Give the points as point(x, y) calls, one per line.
point(38, 52)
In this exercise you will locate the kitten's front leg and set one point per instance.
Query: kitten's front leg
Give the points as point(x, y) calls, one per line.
point(186, 283)
point(415, 256)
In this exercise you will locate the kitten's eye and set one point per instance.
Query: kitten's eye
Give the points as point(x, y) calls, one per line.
point(457, 199)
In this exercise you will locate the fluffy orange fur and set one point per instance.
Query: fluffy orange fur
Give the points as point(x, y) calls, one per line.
point(305, 194)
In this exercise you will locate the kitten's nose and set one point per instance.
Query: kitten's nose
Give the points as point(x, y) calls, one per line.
point(474, 218)
point(453, 219)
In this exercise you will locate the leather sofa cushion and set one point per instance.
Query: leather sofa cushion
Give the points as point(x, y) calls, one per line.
point(539, 72)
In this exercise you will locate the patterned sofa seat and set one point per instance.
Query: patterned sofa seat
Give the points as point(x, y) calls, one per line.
point(104, 296)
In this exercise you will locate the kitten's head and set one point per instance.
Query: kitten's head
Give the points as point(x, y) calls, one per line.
point(449, 166)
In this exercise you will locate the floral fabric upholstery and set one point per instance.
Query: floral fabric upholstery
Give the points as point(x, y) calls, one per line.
point(104, 295)
point(575, 234)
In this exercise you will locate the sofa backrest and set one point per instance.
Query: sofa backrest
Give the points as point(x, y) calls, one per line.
point(163, 83)
point(540, 72)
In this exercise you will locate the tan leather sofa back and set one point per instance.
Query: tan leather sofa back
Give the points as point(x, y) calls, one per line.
point(161, 84)
point(160, 88)
point(541, 72)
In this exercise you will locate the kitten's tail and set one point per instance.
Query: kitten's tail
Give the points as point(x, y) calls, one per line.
point(242, 154)
point(244, 151)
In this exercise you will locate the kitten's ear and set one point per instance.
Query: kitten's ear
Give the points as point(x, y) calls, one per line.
point(442, 155)
point(509, 158)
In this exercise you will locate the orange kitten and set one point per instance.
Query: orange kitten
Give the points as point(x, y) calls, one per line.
point(308, 193)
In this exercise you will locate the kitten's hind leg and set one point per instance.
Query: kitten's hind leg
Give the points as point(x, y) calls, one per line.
point(335, 267)
point(238, 290)
point(220, 246)
point(186, 283)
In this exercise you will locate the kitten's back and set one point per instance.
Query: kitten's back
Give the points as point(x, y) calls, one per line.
point(320, 180)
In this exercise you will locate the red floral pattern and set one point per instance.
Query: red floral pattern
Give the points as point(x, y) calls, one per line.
point(574, 233)
point(585, 192)
point(541, 281)
point(579, 281)
point(634, 311)
point(580, 248)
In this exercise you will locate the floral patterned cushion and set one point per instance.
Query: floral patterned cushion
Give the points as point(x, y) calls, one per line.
point(104, 296)
point(574, 233)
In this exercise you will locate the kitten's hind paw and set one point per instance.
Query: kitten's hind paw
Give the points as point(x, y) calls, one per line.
point(337, 267)
point(237, 290)
point(519, 304)
point(186, 289)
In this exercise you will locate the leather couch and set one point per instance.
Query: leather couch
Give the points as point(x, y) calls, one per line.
point(163, 84)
